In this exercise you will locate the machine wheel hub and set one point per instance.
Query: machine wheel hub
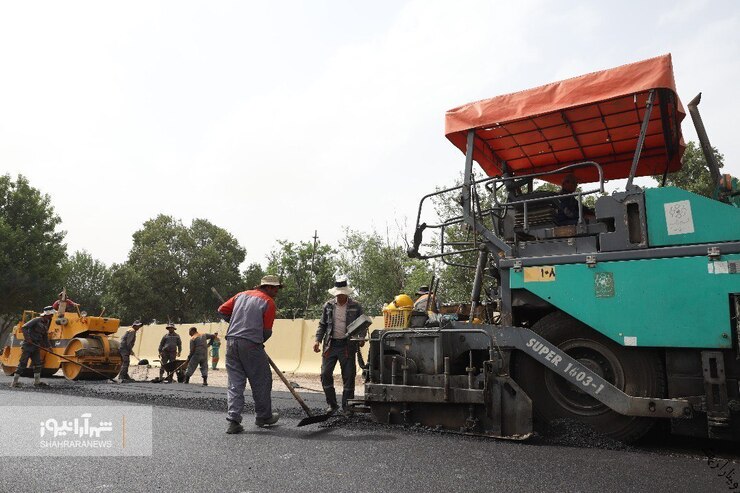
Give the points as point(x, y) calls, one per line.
point(597, 358)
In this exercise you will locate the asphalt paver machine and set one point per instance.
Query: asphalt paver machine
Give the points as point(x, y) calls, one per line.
point(617, 318)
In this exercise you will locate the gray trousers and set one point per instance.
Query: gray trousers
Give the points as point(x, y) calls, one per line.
point(125, 358)
point(343, 352)
point(246, 360)
point(194, 362)
point(34, 354)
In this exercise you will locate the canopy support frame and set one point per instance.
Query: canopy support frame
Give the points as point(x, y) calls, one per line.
point(641, 139)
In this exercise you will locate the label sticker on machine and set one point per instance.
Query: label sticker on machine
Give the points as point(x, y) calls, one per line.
point(724, 267)
point(630, 340)
point(545, 273)
point(678, 218)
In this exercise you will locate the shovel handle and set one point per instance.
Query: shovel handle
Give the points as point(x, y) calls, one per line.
point(290, 387)
point(46, 350)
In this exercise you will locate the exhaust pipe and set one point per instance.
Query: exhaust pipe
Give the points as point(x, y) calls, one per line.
point(706, 147)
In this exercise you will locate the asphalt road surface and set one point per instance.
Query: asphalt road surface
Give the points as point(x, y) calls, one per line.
point(191, 453)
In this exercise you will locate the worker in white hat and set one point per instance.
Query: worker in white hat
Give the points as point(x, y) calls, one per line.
point(338, 314)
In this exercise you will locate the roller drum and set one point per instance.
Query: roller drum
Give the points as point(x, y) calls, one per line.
point(91, 352)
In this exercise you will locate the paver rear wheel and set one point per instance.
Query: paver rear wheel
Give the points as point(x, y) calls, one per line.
point(635, 371)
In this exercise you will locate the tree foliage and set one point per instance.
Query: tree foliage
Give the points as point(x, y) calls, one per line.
point(86, 280)
point(170, 271)
point(252, 275)
point(292, 263)
point(379, 269)
point(694, 174)
point(31, 250)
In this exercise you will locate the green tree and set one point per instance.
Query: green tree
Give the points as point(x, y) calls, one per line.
point(694, 174)
point(31, 250)
point(292, 263)
point(379, 269)
point(213, 259)
point(170, 271)
point(252, 275)
point(86, 280)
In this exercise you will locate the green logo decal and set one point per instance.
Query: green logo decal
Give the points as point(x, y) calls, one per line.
point(604, 284)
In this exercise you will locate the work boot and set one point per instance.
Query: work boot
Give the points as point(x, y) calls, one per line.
point(331, 410)
point(187, 379)
point(16, 383)
point(331, 398)
point(37, 381)
point(234, 428)
point(346, 396)
point(262, 422)
point(205, 381)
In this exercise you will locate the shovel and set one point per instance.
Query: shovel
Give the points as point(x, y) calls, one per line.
point(311, 418)
point(47, 350)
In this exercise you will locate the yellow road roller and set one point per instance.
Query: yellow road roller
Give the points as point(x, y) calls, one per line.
point(77, 337)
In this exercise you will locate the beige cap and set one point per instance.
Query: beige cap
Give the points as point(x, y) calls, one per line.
point(270, 280)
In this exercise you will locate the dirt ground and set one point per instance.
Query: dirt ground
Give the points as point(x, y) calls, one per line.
point(217, 378)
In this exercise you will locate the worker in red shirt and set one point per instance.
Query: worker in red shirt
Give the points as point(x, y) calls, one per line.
point(250, 315)
point(70, 304)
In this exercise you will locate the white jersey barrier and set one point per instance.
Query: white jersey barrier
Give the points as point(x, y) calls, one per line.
point(290, 347)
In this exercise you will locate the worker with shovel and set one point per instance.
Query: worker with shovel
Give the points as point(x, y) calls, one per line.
point(126, 348)
point(198, 355)
point(170, 348)
point(250, 315)
point(35, 337)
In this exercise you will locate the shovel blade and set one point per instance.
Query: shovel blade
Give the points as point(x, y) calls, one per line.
point(318, 418)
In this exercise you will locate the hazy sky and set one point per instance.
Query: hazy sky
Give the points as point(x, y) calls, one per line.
point(272, 119)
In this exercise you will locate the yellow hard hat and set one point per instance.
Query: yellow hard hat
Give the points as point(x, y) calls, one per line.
point(403, 300)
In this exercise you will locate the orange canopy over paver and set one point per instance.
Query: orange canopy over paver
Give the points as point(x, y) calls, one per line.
point(594, 117)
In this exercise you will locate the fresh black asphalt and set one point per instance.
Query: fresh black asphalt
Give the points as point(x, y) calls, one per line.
point(191, 453)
